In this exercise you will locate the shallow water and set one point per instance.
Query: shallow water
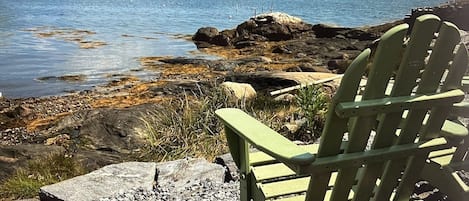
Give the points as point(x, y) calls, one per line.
point(136, 28)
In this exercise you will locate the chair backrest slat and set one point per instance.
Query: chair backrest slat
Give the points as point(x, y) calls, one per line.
point(335, 126)
point(411, 66)
point(453, 81)
point(386, 59)
point(438, 61)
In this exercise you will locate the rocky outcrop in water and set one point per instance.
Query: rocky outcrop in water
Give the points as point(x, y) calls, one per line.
point(265, 27)
point(456, 12)
point(274, 27)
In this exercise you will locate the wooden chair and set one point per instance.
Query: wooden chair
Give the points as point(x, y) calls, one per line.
point(442, 167)
point(337, 170)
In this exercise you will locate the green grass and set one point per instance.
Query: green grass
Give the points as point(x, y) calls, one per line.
point(25, 182)
point(187, 127)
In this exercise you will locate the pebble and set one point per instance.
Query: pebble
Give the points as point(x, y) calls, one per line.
point(15, 136)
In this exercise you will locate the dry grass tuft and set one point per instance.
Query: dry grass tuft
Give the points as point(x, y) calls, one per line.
point(25, 182)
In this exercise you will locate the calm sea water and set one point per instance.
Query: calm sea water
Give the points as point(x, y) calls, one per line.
point(25, 57)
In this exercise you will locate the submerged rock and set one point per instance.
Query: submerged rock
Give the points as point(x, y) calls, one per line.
point(66, 78)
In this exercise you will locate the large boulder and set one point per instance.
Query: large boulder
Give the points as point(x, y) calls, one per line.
point(104, 182)
point(239, 91)
point(205, 34)
point(105, 129)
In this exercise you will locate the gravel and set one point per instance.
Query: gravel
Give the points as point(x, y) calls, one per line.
point(205, 190)
point(15, 136)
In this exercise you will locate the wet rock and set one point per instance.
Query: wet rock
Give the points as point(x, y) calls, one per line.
point(229, 33)
point(281, 50)
point(208, 36)
point(221, 40)
point(308, 67)
point(244, 44)
point(360, 35)
point(205, 34)
point(67, 78)
point(239, 91)
point(104, 182)
point(91, 44)
point(202, 44)
point(15, 156)
point(184, 60)
point(326, 31)
point(259, 59)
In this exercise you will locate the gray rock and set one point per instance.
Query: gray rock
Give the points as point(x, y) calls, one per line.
point(239, 91)
point(289, 98)
point(186, 179)
point(295, 126)
point(105, 129)
point(204, 190)
point(184, 172)
point(105, 182)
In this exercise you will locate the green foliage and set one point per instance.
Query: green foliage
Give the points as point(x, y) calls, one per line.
point(312, 102)
point(25, 182)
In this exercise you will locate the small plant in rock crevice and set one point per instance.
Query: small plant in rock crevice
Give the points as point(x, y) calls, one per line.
point(312, 102)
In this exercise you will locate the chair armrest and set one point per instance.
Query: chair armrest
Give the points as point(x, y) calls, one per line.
point(264, 138)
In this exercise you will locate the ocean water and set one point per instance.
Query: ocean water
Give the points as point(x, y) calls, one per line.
point(137, 28)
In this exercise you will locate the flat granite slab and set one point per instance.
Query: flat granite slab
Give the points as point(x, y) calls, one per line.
point(104, 182)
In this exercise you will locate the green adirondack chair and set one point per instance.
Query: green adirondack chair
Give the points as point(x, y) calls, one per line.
point(442, 167)
point(339, 170)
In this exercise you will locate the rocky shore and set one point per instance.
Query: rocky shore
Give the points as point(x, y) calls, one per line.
point(100, 126)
